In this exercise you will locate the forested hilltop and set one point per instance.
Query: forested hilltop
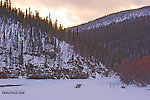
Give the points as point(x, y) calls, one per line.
point(32, 47)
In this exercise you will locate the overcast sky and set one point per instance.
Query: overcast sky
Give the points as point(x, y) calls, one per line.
point(73, 12)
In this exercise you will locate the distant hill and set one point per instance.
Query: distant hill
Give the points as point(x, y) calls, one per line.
point(120, 41)
point(112, 18)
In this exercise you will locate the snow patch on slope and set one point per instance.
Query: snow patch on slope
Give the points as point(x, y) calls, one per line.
point(54, 53)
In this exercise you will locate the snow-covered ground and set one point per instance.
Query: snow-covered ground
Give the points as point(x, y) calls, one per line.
point(91, 89)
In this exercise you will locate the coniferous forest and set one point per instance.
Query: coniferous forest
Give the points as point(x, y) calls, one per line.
point(32, 47)
point(123, 48)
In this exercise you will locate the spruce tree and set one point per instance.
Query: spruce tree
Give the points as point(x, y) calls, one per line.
point(21, 54)
point(56, 25)
point(10, 55)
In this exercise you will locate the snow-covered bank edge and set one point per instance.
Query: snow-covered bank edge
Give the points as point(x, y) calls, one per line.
point(91, 89)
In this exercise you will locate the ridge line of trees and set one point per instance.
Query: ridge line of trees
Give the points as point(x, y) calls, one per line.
point(28, 18)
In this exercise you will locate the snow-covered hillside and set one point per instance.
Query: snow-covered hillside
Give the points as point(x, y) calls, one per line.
point(91, 89)
point(112, 18)
point(29, 52)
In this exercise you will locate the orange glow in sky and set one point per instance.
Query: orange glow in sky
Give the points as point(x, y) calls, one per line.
point(74, 12)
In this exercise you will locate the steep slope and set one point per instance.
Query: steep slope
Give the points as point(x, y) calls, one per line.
point(112, 18)
point(28, 52)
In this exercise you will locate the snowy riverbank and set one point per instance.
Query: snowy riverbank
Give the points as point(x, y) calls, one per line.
point(91, 89)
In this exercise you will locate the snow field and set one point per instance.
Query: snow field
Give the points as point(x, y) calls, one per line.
point(91, 89)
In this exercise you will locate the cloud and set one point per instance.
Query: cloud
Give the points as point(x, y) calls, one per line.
point(79, 11)
point(141, 2)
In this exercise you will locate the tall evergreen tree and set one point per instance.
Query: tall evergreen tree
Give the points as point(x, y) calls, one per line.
point(56, 25)
point(21, 54)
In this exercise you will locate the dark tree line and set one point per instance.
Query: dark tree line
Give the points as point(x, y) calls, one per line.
point(28, 18)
